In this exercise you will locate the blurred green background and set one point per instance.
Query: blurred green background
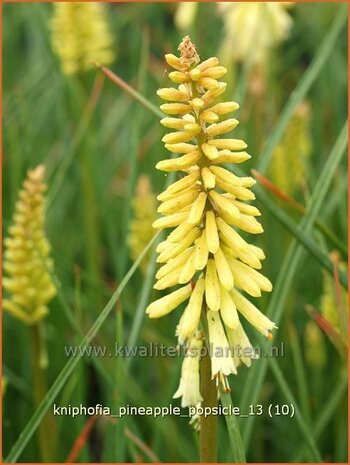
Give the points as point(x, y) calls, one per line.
point(95, 141)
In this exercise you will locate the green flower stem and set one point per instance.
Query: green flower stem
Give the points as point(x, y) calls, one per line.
point(208, 430)
point(39, 365)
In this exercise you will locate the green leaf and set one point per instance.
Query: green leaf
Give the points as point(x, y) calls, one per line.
point(304, 85)
point(237, 446)
point(256, 375)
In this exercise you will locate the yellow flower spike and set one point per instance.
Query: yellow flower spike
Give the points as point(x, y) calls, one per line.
point(27, 263)
point(80, 36)
point(207, 209)
point(144, 214)
point(243, 27)
point(291, 158)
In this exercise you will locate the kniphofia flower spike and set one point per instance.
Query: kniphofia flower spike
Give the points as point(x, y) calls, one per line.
point(27, 262)
point(205, 253)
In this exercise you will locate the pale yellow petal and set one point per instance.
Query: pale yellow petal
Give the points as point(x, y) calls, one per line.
point(188, 270)
point(228, 310)
point(252, 314)
point(201, 252)
point(212, 287)
point(191, 316)
point(170, 221)
point(180, 201)
point(166, 304)
point(224, 205)
point(197, 209)
point(183, 183)
point(222, 128)
point(211, 232)
point(223, 270)
point(175, 108)
point(209, 151)
point(208, 178)
point(228, 144)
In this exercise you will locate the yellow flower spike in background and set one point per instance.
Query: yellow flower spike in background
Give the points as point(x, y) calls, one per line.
point(333, 304)
point(253, 29)
point(80, 35)
point(291, 158)
point(27, 262)
point(205, 253)
point(185, 15)
point(144, 209)
point(27, 281)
